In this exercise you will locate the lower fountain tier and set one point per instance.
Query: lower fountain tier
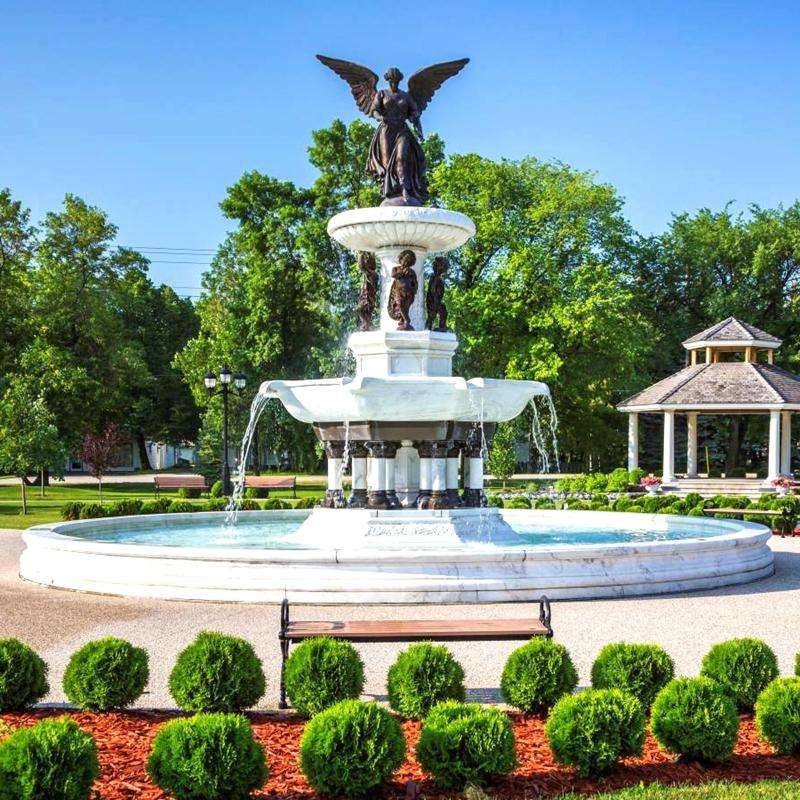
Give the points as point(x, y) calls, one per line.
point(403, 397)
point(365, 528)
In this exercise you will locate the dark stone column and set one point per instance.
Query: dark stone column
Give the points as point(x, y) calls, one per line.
point(376, 476)
point(439, 498)
point(425, 450)
point(358, 493)
point(453, 457)
point(473, 495)
point(334, 496)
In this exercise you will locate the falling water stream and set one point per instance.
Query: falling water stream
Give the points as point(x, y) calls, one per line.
point(538, 437)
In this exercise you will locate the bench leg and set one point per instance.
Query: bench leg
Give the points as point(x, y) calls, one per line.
point(544, 614)
point(284, 651)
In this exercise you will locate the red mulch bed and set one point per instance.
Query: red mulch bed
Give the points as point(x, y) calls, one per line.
point(124, 738)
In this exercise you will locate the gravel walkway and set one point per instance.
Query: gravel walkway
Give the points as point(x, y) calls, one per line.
point(56, 622)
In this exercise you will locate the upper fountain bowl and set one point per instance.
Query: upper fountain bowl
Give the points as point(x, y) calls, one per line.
point(374, 229)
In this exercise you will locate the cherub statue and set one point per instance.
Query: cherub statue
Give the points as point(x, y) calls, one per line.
point(396, 160)
point(368, 291)
point(434, 299)
point(403, 291)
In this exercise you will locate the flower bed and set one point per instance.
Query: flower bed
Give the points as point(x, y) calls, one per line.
point(124, 740)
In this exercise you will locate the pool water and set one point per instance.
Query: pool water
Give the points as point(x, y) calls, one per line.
point(279, 534)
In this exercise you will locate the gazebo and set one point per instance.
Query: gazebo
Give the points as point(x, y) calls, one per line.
point(731, 370)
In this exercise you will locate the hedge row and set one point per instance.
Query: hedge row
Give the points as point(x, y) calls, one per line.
point(350, 747)
point(81, 510)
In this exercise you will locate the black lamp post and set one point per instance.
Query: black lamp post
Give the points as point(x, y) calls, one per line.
point(225, 379)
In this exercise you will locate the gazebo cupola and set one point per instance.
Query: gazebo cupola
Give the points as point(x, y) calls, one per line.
point(731, 370)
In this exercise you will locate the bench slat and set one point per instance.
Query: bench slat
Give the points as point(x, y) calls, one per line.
point(259, 482)
point(409, 630)
point(171, 480)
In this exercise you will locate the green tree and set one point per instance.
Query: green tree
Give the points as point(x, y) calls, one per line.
point(502, 460)
point(29, 438)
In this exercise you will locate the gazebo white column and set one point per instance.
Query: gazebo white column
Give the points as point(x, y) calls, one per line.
point(668, 469)
point(774, 455)
point(633, 441)
point(786, 443)
point(691, 444)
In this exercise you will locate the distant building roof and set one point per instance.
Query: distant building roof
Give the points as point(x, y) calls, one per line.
point(732, 331)
point(721, 385)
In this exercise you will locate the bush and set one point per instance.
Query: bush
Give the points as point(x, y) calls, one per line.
point(216, 489)
point(618, 480)
point(694, 717)
point(544, 504)
point(249, 505)
point(209, 756)
point(422, 676)
point(742, 667)
point(778, 715)
point(92, 511)
point(639, 669)
point(70, 511)
point(622, 504)
point(693, 499)
point(160, 506)
point(216, 504)
point(592, 730)
point(52, 760)
point(537, 674)
point(190, 492)
point(23, 676)
point(125, 508)
point(463, 743)
point(217, 672)
point(256, 492)
point(104, 674)
point(275, 504)
point(321, 672)
point(494, 501)
point(518, 502)
point(304, 502)
point(181, 507)
point(351, 748)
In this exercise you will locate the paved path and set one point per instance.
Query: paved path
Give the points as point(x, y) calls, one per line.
point(56, 622)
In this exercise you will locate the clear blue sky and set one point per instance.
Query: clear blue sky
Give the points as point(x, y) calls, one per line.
point(151, 109)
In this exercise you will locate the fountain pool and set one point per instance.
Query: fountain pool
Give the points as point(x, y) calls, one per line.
point(269, 555)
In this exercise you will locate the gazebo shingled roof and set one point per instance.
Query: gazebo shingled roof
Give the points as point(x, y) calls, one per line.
point(733, 330)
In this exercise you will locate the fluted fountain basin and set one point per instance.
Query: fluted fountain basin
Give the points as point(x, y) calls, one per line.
point(564, 554)
point(408, 398)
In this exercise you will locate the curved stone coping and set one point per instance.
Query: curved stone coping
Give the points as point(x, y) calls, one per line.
point(377, 228)
point(337, 575)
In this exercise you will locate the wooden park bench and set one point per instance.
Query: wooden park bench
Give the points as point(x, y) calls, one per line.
point(161, 482)
point(271, 482)
point(787, 517)
point(439, 630)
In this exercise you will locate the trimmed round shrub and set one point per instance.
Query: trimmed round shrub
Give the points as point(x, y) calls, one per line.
point(742, 667)
point(208, 756)
point(463, 743)
point(494, 501)
point(778, 715)
point(256, 492)
point(351, 748)
point(23, 676)
point(125, 508)
point(422, 676)
point(217, 672)
point(537, 674)
point(321, 672)
point(190, 492)
point(216, 504)
point(105, 674)
point(696, 718)
point(304, 502)
point(275, 504)
point(52, 760)
point(71, 510)
point(160, 506)
point(249, 505)
point(216, 489)
point(643, 670)
point(92, 511)
point(181, 507)
point(592, 730)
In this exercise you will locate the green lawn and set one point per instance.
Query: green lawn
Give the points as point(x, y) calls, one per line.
point(48, 509)
point(767, 790)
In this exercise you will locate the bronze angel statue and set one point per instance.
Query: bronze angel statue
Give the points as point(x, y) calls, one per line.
point(396, 160)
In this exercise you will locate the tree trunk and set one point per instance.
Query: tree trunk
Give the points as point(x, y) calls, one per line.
point(24, 495)
point(100, 489)
point(255, 449)
point(144, 455)
point(41, 484)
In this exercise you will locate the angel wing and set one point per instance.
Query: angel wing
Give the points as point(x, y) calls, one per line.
point(363, 82)
point(423, 84)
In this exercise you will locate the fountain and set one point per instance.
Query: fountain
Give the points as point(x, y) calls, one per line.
point(414, 526)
